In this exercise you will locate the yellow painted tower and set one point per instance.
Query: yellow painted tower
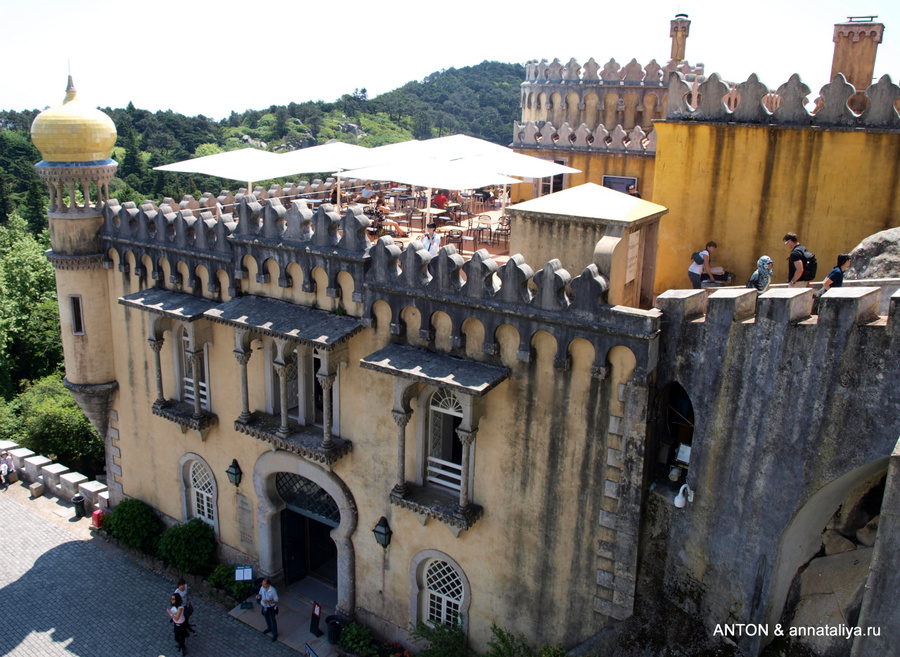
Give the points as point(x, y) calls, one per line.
point(75, 141)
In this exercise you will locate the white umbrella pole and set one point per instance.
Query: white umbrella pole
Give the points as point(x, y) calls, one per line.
point(428, 208)
point(338, 192)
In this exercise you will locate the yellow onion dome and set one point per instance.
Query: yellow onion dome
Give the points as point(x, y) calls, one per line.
point(74, 132)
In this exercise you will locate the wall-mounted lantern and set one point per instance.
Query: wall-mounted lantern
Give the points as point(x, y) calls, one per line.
point(234, 473)
point(383, 532)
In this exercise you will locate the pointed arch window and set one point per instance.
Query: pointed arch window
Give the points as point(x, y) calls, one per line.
point(445, 452)
point(202, 493)
point(187, 370)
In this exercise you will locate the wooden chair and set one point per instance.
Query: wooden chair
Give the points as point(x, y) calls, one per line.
point(501, 231)
point(454, 237)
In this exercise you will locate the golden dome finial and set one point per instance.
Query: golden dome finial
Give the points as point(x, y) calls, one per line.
point(73, 131)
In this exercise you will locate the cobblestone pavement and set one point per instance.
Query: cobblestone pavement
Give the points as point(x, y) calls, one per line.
point(66, 594)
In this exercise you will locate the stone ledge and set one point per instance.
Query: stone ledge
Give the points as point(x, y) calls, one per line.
point(182, 414)
point(305, 441)
point(440, 506)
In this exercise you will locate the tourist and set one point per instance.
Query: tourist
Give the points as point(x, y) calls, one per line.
point(763, 274)
point(801, 262)
point(182, 591)
point(268, 599)
point(439, 200)
point(176, 613)
point(699, 270)
point(633, 192)
point(432, 240)
point(835, 277)
point(381, 211)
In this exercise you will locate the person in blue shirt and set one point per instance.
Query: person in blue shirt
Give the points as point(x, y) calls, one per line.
point(835, 277)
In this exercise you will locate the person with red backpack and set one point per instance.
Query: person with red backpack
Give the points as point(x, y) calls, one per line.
point(802, 263)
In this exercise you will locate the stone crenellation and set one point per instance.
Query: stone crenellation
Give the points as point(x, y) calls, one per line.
point(611, 73)
point(753, 102)
point(532, 134)
point(513, 294)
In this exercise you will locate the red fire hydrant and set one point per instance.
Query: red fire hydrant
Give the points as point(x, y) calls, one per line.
point(97, 518)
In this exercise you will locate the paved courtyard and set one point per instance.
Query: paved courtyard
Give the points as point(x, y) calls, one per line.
point(64, 593)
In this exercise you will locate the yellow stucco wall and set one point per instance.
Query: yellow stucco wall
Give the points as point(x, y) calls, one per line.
point(593, 167)
point(540, 445)
point(745, 186)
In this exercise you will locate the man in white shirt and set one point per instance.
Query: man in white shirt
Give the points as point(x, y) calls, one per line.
point(268, 598)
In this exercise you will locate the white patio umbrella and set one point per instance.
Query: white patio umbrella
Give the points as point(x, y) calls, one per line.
point(246, 165)
point(508, 162)
point(332, 157)
point(433, 173)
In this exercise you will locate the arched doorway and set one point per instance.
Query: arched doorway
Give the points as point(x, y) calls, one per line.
point(270, 520)
point(310, 514)
point(673, 435)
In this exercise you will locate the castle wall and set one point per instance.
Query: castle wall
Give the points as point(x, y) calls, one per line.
point(745, 186)
point(558, 452)
point(791, 412)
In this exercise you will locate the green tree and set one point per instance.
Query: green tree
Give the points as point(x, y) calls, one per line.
point(132, 163)
point(54, 426)
point(35, 209)
point(26, 284)
point(5, 200)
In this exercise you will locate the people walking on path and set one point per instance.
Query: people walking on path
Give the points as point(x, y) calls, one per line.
point(699, 270)
point(182, 591)
point(176, 613)
point(763, 274)
point(835, 277)
point(268, 598)
point(802, 262)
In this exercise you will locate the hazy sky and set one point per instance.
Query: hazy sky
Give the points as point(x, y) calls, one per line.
point(213, 57)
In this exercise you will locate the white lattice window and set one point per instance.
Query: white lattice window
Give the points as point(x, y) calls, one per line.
point(443, 593)
point(187, 373)
point(203, 493)
point(444, 448)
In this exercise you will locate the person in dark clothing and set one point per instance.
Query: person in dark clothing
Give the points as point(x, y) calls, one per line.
point(835, 278)
point(797, 274)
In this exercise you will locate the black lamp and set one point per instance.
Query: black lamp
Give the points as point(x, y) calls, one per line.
point(234, 473)
point(383, 532)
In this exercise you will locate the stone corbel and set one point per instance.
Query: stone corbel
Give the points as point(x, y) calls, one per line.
point(605, 251)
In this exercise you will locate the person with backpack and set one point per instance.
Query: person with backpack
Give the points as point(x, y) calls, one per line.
point(802, 263)
point(699, 270)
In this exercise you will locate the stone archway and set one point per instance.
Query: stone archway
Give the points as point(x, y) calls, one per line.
point(269, 526)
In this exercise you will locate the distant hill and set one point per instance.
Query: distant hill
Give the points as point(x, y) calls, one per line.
point(481, 101)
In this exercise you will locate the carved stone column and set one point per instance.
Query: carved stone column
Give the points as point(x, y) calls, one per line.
point(242, 358)
point(196, 358)
point(402, 419)
point(327, 383)
point(156, 346)
point(466, 438)
point(283, 370)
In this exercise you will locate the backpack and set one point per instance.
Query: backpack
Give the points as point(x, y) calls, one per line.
point(697, 258)
point(810, 264)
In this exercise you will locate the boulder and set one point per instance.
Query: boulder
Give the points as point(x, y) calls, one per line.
point(877, 256)
point(866, 535)
point(835, 543)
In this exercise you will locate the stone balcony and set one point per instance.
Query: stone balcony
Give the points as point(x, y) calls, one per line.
point(305, 441)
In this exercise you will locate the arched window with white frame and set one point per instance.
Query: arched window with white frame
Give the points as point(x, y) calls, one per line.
point(445, 414)
point(441, 591)
point(199, 490)
point(187, 371)
point(202, 493)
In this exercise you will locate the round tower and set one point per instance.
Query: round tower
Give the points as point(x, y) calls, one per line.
point(75, 141)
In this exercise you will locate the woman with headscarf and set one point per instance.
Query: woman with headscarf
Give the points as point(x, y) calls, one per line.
point(763, 274)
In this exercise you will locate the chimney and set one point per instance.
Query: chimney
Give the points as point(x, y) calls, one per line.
point(680, 28)
point(855, 45)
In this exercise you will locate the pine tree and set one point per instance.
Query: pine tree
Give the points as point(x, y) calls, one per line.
point(5, 201)
point(35, 211)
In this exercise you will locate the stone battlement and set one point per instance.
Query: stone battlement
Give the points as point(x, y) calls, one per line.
point(533, 134)
point(610, 74)
point(753, 102)
point(181, 251)
point(839, 308)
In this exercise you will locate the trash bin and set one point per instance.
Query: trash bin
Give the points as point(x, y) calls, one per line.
point(97, 518)
point(78, 501)
point(334, 624)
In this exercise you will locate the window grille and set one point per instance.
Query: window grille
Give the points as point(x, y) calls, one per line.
point(444, 593)
point(307, 498)
point(202, 487)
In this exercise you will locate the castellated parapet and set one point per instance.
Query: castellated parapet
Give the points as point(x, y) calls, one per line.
point(753, 102)
point(592, 106)
point(789, 409)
